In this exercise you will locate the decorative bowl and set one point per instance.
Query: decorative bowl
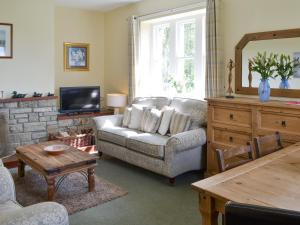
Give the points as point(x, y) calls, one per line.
point(56, 149)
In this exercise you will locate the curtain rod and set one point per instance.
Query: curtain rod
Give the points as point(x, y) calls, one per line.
point(182, 8)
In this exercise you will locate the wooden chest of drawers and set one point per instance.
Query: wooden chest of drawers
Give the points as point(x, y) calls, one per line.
point(236, 121)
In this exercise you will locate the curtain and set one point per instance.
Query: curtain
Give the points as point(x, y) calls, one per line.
point(133, 57)
point(215, 79)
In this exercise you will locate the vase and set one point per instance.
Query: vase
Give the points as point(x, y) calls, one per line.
point(284, 84)
point(264, 90)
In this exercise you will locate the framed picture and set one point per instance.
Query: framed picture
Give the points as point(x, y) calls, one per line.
point(76, 57)
point(6, 40)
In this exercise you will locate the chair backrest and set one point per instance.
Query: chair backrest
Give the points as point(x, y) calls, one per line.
point(233, 157)
point(267, 144)
point(244, 214)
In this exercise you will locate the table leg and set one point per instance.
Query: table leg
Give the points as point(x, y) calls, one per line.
point(51, 188)
point(91, 179)
point(207, 209)
point(21, 168)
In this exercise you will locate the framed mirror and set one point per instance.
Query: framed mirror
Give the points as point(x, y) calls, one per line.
point(278, 42)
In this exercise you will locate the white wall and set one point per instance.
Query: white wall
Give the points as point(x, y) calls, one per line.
point(79, 26)
point(32, 68)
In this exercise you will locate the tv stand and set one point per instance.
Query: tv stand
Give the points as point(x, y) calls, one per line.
point(67, 116)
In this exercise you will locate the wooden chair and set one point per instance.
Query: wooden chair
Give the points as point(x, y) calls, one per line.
point(225, 157)
point(267, 144)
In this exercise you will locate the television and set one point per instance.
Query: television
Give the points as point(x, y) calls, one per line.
point(79, 99)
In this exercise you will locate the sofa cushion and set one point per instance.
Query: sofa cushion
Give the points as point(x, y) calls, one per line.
point(116, 135)
point(150, 120)
point(148, 144)
point(127, 116)
point(196, 108)
point(157, 102)
point(166, 120)
point(8, 207)
point(136, 116)
point(180, 122)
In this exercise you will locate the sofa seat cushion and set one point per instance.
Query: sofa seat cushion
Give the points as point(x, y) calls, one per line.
point(116, 135)
point(149, 144)
point(8, 206)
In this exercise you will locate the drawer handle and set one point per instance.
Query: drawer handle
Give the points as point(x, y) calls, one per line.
point(231, 139)
point(283, 123)
point(231, 116)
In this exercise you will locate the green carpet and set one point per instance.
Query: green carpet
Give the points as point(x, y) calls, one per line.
point(150, 201)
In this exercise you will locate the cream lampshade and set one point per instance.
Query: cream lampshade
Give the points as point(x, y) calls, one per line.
point(116, 101)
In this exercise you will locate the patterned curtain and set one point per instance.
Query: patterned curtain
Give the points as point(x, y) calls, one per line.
point(215, 80)
point(133, 57)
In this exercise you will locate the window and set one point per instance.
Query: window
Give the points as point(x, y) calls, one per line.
point(172, 56)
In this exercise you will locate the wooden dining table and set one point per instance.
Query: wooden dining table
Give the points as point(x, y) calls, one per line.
point(273, 181)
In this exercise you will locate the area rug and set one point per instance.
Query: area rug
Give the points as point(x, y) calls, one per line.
point(72, 193)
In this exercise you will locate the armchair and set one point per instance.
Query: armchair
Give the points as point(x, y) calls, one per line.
point(11, 213)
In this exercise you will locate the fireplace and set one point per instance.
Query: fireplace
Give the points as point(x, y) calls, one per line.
point(4, 151)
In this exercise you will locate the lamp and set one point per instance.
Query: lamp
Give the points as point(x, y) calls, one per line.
point(116, 101)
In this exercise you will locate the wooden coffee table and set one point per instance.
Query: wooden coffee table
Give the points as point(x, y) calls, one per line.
point(56, 166)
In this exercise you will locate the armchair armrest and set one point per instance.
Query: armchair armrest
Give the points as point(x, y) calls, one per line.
point(7, 186)
point(47, 213)
point(108, 121)
point(187, 140)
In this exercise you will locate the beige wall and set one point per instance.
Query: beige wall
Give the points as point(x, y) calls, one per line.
point(116, 39)
point(79, 26)
point(238, 18)
point(37, 24)
point(32, 68)
point(241, 17)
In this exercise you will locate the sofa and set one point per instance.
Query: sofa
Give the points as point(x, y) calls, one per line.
point(168, 155)
point(11, 213)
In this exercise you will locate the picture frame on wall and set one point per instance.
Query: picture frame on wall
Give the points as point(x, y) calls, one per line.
point(76, 56)
point(6, 40)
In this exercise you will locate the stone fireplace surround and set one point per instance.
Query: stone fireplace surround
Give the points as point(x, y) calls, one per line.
point(30, 120)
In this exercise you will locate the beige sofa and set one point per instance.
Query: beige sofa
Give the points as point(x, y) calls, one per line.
point(166, 155)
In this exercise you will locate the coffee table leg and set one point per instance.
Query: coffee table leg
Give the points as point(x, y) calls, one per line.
point(21, 168)
point(51, 188)
point(91, 179)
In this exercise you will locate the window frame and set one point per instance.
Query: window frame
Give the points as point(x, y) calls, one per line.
point(200, 49)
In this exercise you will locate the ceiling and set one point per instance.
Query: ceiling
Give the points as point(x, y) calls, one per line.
point(101, 5)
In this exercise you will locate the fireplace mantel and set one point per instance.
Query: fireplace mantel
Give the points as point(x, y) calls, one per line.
point(30, 99)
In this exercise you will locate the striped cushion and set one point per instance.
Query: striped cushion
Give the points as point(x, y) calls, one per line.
point(166, 120)
point(126, 117)
point(180, 122)
point(150, 120)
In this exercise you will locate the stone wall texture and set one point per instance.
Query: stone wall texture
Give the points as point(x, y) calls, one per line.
point(31, 122)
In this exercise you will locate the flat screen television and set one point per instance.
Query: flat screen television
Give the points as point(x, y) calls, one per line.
point(79, 99)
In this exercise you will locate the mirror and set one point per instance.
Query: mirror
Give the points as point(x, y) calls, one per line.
point(278, 42)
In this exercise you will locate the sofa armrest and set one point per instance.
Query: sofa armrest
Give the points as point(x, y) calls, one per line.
point(187, 140)
point(47, 213)
point(108, 121)
point(7, 186)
